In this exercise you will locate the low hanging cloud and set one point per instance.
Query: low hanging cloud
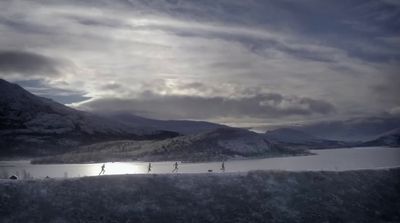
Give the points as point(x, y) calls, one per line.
point(27, 64)
point(270, 105)
point(63, 95)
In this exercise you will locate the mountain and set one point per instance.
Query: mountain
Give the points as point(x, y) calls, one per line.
point(215, 145)
point(293, 137)
point(391, 138)
point(183, 127)
point(32, 125)
point(356, 129)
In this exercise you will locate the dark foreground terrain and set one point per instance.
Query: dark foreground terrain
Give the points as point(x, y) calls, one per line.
point(274, 196)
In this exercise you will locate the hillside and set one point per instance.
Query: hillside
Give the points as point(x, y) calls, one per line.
point(32, 125)
point(183, 127)
point(297, 138)
point(260, 196)
point(391, 138)
point(216, 145)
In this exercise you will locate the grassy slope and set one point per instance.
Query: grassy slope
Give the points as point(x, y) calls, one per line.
point(353, 196)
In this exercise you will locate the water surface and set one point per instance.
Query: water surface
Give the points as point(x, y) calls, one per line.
point(329, 159)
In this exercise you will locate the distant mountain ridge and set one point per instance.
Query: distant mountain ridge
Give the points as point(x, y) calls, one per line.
point(184, 127)
point(355, 129)
point(391, 138)
point(293, 137)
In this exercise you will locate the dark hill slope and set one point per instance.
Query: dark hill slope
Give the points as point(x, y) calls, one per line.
point(32, 125)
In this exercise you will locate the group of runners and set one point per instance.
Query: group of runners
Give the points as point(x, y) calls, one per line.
point(174, 170)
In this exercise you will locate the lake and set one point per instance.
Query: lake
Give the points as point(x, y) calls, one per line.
point(329, 159)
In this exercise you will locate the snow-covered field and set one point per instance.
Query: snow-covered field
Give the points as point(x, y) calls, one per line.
point(273, 196)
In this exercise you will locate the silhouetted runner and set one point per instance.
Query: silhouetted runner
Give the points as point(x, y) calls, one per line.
point(103, 169)
point(175, 167)
point(149, 168)
point(223, 166)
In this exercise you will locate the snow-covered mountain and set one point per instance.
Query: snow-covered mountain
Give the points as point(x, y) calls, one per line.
point(29, 123)
point(183, 127)
point(216, 145)
point(293, 137)
point(391, 138)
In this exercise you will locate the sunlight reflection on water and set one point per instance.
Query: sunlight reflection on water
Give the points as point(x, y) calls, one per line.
point(125, 168)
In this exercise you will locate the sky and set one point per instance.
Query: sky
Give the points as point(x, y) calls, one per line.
point(237, 62)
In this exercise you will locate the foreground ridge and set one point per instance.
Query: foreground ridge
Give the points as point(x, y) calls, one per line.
point(259, 196)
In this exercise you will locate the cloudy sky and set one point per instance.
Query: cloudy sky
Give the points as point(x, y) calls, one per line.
point(241, 62)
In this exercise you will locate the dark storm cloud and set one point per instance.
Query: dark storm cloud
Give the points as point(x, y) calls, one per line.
point(23, 25)
point(111, 86)
point(102, 22)
point(262, 47)
point(27, 64)
point(256, 45)
point(388, 91)
point(197, 86)
point(191, 107)
point(339, 24)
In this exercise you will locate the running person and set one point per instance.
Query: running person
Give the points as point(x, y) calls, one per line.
point(175, 167)
point(103, 169)
point(149, 168)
